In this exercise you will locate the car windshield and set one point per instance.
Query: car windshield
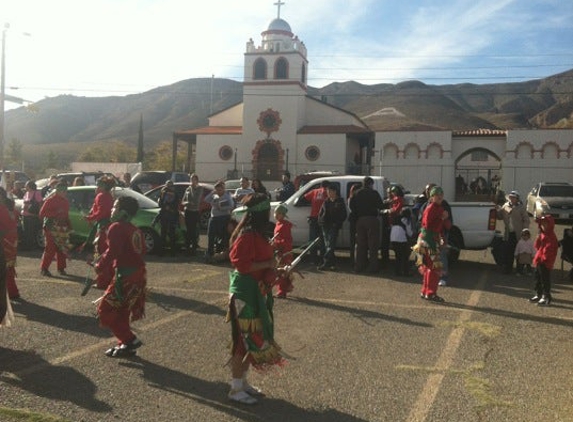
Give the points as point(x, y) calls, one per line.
point(556, 190)
point(143, 201)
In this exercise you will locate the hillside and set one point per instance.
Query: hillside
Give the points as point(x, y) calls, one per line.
point(411, 105)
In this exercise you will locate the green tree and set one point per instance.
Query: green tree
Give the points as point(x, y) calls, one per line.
point(52, 160)
point(160, 157)
point(140, 153)
point(116, 151)
point(14, 154)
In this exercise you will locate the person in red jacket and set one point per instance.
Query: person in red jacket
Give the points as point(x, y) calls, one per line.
point(546, 245)
point(282, 242)
point(124, 299)
point(99, 218)
point(9, 235)
point(57, 227)
point(316, 197)
point(429, 243)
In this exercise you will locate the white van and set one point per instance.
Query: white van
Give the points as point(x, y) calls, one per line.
point(299, 208)
point(473, 229)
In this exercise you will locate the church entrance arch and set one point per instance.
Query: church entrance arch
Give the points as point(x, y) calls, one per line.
point(268, 160)
point(478, 175)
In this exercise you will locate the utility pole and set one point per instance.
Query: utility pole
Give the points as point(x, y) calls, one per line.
point(3, 93)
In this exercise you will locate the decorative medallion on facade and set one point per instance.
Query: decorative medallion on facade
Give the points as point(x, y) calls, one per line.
point(269, 121)
point(312, 153)
point(225, 152)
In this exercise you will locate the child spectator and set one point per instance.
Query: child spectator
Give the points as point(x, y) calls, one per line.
point(400, 236)
point(546, 245)
point(282, 243)
point(524, 253)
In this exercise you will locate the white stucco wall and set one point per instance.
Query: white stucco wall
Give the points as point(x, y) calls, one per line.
point(414, 171)
point(332, 153)
point(233, 116)
point(318, 113)
point(209, 165)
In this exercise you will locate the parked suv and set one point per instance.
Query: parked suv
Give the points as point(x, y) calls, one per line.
point(551, 198)
point(17, 176)
point(147, 180)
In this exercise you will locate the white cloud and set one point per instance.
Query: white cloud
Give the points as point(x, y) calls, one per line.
point(127, 46)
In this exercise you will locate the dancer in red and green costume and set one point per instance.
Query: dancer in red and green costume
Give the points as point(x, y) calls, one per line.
point(251, 301)
point(57, 226)
point(99, 218)
point(9, 236)
point(124, 299)
point(429, 243)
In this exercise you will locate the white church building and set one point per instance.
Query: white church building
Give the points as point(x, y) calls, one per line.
point(278, 127)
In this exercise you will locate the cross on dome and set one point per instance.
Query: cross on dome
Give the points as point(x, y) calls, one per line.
point(279, 3)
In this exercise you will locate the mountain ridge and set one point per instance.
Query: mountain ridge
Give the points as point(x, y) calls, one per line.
point(542, 103)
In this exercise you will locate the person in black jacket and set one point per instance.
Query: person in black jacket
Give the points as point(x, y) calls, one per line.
point(168, 216)
point(366, 205)
point(330, 218)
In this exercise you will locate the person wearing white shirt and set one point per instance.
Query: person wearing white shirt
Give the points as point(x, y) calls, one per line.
point(400, 235)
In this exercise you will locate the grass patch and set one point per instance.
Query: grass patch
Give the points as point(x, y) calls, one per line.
point(17, 415)
point(488, 330)
point(480, 389)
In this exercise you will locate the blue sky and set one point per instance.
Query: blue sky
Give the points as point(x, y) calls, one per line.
point(122, 47)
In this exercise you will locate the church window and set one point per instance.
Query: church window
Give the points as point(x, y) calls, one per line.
point(412, 151)
point(281, 69)
point(260, 69)
point(312, 153)
point(225, 152)
point(390, 151)
point(303, 74)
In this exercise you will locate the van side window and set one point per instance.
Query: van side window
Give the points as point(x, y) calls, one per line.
point(349, 187)
point(302, 201)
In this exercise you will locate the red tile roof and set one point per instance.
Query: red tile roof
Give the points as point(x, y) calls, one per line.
point(333, 129)
point(480, 132)
point(212, 130)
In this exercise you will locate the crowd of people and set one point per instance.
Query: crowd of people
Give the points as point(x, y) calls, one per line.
point(262, 260)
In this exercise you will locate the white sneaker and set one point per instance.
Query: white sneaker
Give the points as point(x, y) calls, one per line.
point(253, 391)
point(241, 396)
point(442, 283)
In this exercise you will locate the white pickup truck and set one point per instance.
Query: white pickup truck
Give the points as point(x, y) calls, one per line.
point(474, 223)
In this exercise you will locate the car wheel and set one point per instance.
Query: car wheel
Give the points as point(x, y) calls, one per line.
point(204, 219)
point(39, 239)
point(455, 241)
point(151, 240)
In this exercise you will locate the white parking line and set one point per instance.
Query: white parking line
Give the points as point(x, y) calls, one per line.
point(423, 404)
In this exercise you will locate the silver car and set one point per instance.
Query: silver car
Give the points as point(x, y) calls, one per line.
point(555, 199)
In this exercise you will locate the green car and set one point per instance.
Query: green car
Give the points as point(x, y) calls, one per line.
point(81, 199)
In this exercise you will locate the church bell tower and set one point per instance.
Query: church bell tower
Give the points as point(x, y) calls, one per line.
point(274, 92)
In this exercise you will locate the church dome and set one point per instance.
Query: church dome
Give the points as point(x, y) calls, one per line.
point(279, 24)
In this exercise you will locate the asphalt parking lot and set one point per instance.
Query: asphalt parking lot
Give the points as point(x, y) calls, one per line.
point(360, 348)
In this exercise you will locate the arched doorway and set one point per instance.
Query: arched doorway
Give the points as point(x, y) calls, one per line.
point(267, 162)
point(478, 175)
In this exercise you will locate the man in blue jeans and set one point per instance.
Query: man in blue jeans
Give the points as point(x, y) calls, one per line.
point(316, 197)
point(221, 206)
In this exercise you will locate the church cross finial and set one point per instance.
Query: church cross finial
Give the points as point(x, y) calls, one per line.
point(279, 3)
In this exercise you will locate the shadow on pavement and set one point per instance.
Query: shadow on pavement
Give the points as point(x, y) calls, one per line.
point(359, 313)
point(79, 323)
point(518, 315)
point(35, 375)
point(214, 395)
point(169, 302)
